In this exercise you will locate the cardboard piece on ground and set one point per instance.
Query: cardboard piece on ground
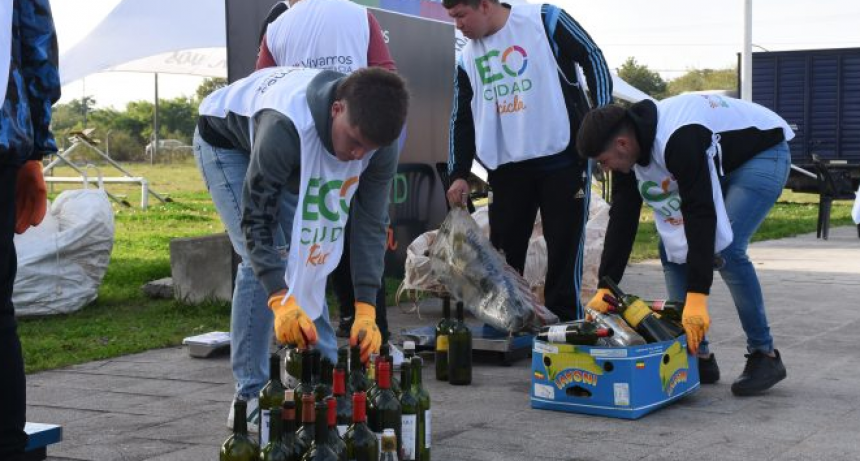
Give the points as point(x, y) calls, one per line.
point(208, 344)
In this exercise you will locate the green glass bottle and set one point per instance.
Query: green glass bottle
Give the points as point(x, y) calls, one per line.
point(292, 445)
point(343, 365)
point(637, 313)
point(389, 446)
point(442, 329)
point(344, 402)
point(274, 449)
point(672, 310)
point(271, 397)
point(579, 332)
point(294, 367)
point(385, 412)
point(316, 366)
point(361, 442)
point(320, 451)
point(307, 431)
point(306, 386)
point(459, 351)
point(385, 351)
point(410, 409)
point(239, 447)
point(424, 417)
point(372, 375)
point(334, 441)
point(323, 388)
point(358, 380)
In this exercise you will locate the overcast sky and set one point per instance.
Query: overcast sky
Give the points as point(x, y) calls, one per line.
point(669, 36)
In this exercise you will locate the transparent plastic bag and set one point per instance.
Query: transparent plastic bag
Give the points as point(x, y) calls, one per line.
point(473, 272)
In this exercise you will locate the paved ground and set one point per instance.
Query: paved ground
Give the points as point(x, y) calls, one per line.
point(163, 405)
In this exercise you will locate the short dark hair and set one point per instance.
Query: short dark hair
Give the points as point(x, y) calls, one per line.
point(448, 4)
point(378, 102)
point(599, 127)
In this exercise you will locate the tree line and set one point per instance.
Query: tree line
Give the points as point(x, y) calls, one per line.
point(124, 134)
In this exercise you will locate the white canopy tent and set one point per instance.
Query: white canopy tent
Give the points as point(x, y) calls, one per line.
point(169, 36)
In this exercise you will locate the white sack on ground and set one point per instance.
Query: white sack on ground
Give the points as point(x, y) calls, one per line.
point(61, 262)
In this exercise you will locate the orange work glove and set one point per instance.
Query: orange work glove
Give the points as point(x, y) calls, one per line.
point(365, 321)
point(597, 303)
point(292, 325)
point(695, 320)
point(31, 196)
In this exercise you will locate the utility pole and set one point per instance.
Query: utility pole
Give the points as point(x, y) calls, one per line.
point(746, 53)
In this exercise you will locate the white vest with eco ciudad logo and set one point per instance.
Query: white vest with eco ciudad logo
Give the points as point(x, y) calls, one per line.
point(517, 105)
point(659, 189)
point(310, 34)
point(327, 184)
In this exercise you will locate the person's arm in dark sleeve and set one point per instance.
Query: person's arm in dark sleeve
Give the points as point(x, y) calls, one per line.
point(264, 57)
point(275, 155)
point(688, 163)
point(576, 47)
point(378, 54)
point(622, 227)
point(369, 228)
point(461, 145)
point(40, 71)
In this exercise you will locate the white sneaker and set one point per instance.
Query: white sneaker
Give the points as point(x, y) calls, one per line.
point(253, 416)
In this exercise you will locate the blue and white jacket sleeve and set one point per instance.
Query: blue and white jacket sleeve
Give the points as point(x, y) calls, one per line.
point(574, 46)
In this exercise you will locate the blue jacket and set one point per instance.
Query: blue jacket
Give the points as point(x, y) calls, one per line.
point(34, 85)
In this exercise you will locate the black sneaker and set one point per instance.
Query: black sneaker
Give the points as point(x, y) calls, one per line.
point(344, 328)
point(760, 374)
point(709, 371)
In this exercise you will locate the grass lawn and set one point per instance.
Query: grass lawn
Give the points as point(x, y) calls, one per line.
point(123, 321)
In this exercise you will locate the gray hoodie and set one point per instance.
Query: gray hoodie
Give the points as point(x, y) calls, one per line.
point(274, 168)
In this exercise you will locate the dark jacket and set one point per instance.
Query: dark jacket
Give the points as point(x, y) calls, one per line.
point(687, 162)
point(34, 85)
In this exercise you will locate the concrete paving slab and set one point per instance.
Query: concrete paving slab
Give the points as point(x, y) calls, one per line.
point(163, 405)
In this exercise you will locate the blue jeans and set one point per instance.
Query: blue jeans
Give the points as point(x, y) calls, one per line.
point(749, 193)
point(251, 319)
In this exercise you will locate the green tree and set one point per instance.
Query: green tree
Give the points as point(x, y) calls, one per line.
point(643, 78)
point(209, 85)
point(704, 79)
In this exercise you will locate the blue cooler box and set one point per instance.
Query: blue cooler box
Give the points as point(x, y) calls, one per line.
point(621, 382)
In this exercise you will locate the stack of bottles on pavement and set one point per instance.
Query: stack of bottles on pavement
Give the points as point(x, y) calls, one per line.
point(624, 363)
point(337, 411)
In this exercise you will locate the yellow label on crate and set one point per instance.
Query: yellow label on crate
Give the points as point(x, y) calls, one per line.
point(442, 343)
point(635, 313)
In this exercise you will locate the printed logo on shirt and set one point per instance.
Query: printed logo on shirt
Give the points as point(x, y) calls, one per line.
point(506, 86)
point(715, 101)
point(342, 64)
point(273, 79)
point(664, 202)
point(324, 201)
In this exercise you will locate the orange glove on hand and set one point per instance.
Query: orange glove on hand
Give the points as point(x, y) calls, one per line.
point(292, 325)
point(597, 303)
point(365, 320)
point(695, 320)
point(31, 196)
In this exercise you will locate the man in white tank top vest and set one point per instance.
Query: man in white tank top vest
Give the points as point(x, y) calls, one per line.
point(313, 134)
point(337, 35)
point(518, 105)
point(710, 168)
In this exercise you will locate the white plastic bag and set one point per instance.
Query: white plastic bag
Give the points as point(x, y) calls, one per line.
point(62, 261)
point(473, 272)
